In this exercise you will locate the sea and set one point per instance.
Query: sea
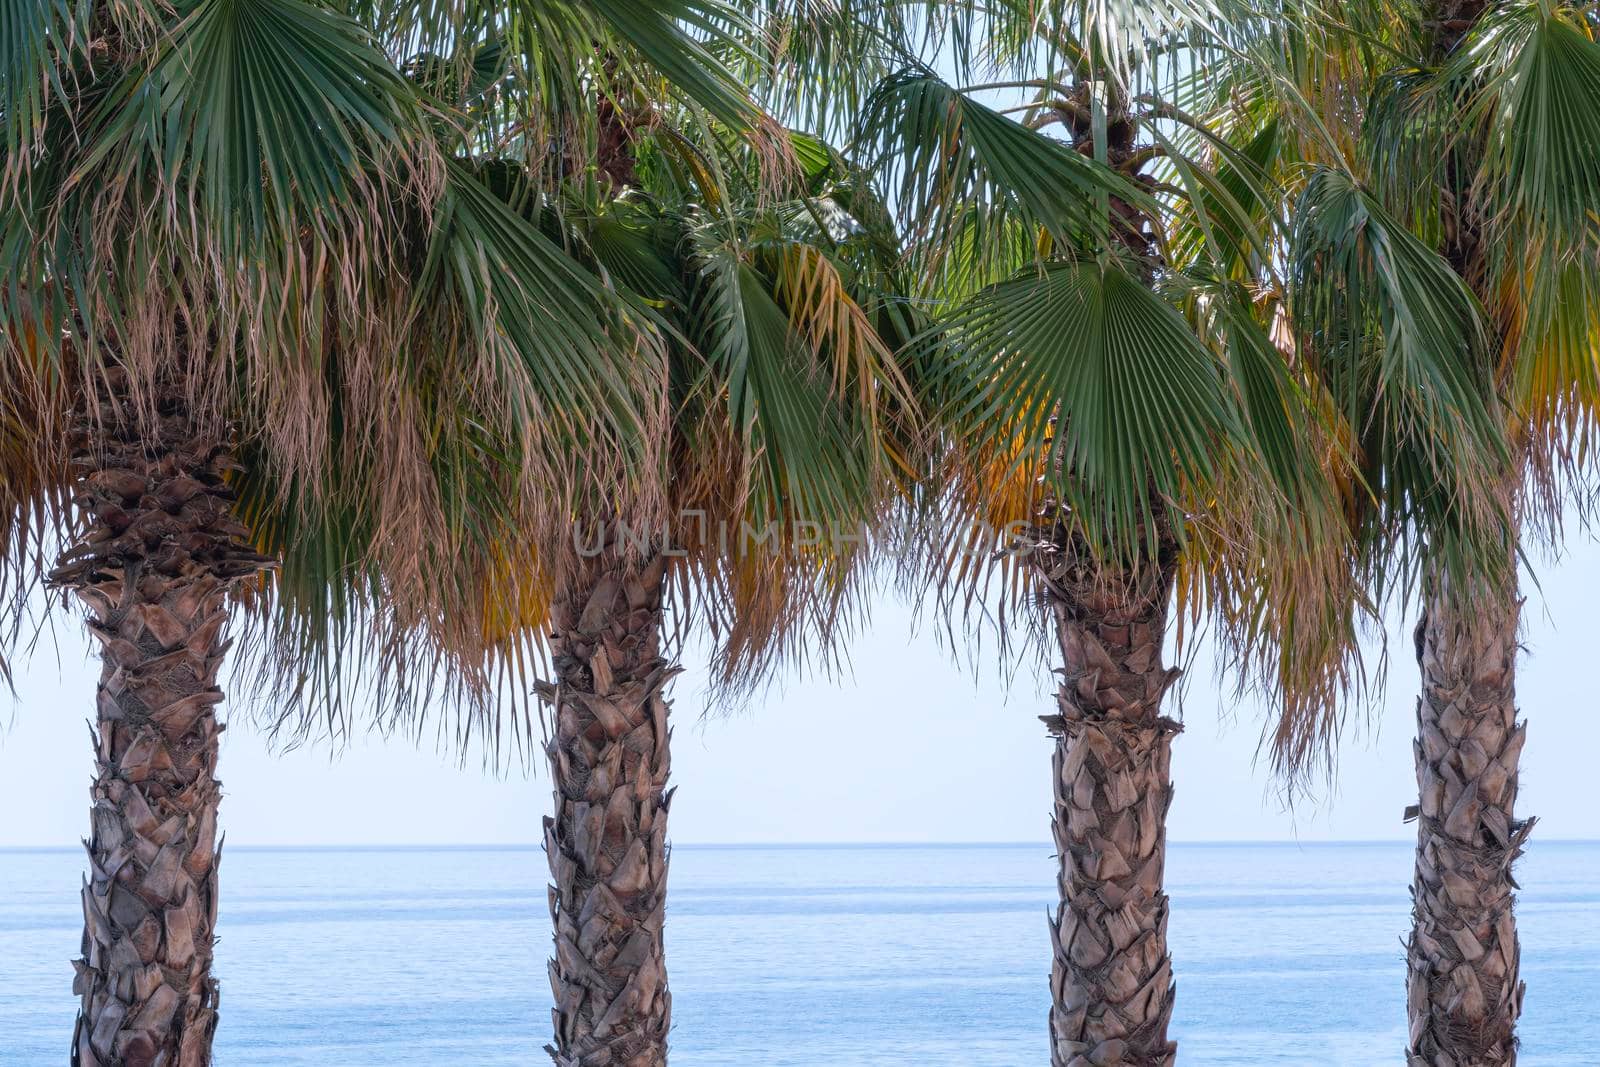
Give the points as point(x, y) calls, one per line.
point(813, 956)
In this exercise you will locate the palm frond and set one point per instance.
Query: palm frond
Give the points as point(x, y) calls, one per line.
point(668, 36)
point(1107, 388)
point(257, 112)
point(778, 399)
point(1538, 109)
point(36, 39)
point(966, 176)
point(1399, 340)
point(534, 77)
point(547, 337)
point(821, 59)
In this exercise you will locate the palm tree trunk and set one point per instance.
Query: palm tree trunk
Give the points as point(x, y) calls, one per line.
point(1462, 988)
point(1111, 981)
point(607, 844)
point(160, 550)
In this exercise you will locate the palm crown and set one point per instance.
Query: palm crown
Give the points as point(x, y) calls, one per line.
point(1430, 154)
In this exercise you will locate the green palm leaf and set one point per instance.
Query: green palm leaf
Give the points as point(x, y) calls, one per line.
point(1103, 383)
point(657, 29)
point(967, 176)
point(1540, 108)
point(262, 111)
point(807, 462)
point(34, 34)
point(1357, 269)
point(1398, 338)
point(537, 320)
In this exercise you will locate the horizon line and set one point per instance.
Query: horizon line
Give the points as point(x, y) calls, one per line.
point(423, 846)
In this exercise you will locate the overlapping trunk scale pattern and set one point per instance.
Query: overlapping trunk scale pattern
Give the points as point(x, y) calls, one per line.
point(1111, 978)
point(607, 843)
point(160, 550)
point(1462, 982)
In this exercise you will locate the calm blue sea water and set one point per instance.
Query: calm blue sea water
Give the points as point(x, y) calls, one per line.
point(877, 957)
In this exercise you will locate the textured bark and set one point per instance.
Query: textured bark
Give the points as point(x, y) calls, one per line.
point(159, 552)
point(1450, 21)
point(616, 121)
point(1111, 981)
point(1462, 988)
point(614, 156)
point(607, 844)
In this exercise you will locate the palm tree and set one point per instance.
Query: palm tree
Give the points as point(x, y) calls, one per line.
point(272, 335)
point(1451, 134)
point(1121, 421)
point(785, 426)
point(775, 427)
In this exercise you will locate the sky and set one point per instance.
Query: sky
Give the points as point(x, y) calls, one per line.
point(910, 747)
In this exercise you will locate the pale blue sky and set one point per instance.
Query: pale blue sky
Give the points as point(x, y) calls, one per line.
point(908, 749)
